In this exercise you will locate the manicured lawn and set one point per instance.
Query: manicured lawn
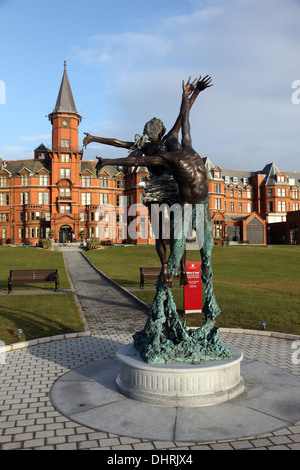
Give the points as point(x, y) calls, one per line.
point(20, 257)
point(251, 283)
point(36, 315)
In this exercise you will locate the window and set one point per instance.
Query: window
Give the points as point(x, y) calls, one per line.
point(217, 203)
point(43, 198)
point(24, 198)
point(65, 192)
point(47, 217)
point(283, 206)
point(295, 194)
point(103, 199)
point(240, 207)
point(24, 180)
point(3, 181)
point(37, 216)
point(4, 217)
point(4, 232)
point(65, 143)
point(81, 216)
point(65, 172)
point(232, 207)
point(21, 233)
point(120, 184)
point(270, 206)
point(217, 174)
point(217, 188)
point(227, 179)
point(279, 206)
point(279, 192)
point(86, 181)
point(240, 193)
point(235, 180)
point(86, 198)
point(103, 182)
point(283, 192)
point(270, 192)
point(65, 157)
point(43, 180)
point(248, 193)
point(249, 207)
point(4, 199)
point(65, 209)
point(231, 192)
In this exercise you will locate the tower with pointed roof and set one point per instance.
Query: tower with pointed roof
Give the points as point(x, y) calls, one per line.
point(65, 118)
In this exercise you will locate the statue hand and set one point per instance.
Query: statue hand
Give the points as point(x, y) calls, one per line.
point(204, 82)
point(189, 87)
point(87, 139)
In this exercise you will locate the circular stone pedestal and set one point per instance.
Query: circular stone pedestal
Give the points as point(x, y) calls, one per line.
point(179, 384)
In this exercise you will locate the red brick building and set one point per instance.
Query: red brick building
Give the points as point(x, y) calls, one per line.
point(57, 193)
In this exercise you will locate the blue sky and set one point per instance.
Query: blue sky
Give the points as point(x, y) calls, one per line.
point(126, 60)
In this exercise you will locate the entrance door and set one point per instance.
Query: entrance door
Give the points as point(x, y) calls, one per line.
point(65, 234)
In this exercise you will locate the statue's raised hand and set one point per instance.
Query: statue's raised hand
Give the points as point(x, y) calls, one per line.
point(88, 139)
point(189, 87)
point(204, 82)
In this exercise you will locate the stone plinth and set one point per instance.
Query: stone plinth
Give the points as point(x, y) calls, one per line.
point(179, 384)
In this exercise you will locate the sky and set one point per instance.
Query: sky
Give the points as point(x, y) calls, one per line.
point(126, 60)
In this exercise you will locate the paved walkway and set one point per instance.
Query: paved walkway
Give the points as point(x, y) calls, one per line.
point(28, 420)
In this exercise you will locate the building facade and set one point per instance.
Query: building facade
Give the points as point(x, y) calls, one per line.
point(57, 194)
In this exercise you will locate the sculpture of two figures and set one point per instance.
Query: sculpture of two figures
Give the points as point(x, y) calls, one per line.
point(177, 178)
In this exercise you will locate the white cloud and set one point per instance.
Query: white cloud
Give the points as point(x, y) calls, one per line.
point(250, 49)
point(14, 152)
point(38, 138)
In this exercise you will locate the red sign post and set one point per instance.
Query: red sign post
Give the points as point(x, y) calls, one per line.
point(193, 290)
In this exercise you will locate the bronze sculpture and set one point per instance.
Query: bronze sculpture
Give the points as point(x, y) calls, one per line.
point(164, 154)
point(164, 338)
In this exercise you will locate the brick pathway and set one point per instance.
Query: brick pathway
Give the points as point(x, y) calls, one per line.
point(28, 419)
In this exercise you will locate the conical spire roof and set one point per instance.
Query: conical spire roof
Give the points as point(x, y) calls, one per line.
point(65, 102)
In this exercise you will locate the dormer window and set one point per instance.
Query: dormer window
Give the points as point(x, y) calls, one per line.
point(235, 180)
point(24, 180)
point(42, 156)
point(86, 181)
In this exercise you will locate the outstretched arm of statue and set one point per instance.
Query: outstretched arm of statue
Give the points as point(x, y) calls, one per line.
point(201, 84)
point(107, 141)
point(135, 158)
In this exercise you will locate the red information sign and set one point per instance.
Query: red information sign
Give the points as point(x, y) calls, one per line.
point(193, 291)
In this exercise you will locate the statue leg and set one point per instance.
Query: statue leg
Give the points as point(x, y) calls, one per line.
point(210, 308)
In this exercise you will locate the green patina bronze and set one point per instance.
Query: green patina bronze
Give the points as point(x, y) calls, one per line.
point(164, 338)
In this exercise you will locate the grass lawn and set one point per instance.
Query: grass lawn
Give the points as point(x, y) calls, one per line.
point(29, 257)
point(36, 315)
point(251, 283)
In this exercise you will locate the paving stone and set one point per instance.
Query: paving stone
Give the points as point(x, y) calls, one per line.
point(29, 421)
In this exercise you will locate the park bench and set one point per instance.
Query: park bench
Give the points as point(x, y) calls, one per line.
point(29, 276)
point(148, 273)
